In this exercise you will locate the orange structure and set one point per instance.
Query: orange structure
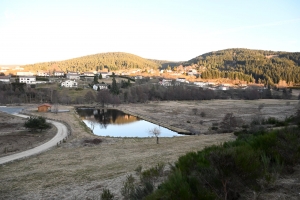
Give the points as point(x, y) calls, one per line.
point(44, 107)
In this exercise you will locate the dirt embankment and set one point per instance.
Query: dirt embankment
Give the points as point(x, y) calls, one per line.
point(76, 170)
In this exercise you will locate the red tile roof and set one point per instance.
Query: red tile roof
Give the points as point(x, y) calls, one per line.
point(45, 104)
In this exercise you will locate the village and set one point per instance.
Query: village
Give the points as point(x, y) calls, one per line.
point(188, 76)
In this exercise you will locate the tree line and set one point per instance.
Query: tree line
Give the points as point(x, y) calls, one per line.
point(125, 93)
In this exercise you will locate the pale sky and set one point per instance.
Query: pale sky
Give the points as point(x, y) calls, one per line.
point(34, 31)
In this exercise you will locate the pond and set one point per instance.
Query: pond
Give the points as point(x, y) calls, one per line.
point(115, 123)
point(11, 110)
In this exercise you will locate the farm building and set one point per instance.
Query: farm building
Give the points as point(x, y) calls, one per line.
point(44, 107)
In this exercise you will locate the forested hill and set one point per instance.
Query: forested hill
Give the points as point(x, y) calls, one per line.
point(268, 67)
point(111, 61)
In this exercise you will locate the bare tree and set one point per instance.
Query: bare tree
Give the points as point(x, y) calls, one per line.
point(55, 108)
point(104, 97)
point(155, 132)
point(89, 97)
point(229, 122)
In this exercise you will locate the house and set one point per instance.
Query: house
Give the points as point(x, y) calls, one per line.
point(104, 74)
point(138, 77)
point(165, 82)
point(201, 84)
point(24, 74)
point(44, 107)
point(91, 74)
point(73, 75)
point(58, 73)
point(69, 83)
point(100, 87)
point(5, 79)
point(192, 72)
point(27, 79)
point(42, 73)
point(223, 87)
point(182, 80)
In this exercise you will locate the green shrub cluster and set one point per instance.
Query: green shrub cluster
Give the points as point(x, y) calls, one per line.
point(36, 123)
point(251, 162)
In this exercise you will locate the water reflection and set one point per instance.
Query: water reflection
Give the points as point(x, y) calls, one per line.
point(115, 123)
point(104, 117)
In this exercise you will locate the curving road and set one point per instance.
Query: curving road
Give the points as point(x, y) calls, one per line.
point(62, 132)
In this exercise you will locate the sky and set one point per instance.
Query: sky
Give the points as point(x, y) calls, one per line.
point(33, 31)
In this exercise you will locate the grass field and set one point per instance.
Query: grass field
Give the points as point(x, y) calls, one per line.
point(77, 170)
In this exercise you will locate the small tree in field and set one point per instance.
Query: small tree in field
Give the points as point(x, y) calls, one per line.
point(155, 132)
point(35, 123)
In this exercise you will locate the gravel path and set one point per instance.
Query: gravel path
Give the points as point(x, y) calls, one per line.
point(62, 133)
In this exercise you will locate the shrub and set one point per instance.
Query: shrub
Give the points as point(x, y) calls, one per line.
point(141, 192)
point(35, 123)
point(221, 172)
point(202, 114)
point(214, 128)
point(138, 169)
point(106, 195)
point(176, 187)
point(153, 173)
point(93, 141)
point(128, 187)
point(229, 122)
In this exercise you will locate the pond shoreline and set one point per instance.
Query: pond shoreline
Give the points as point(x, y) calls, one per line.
point(172, 128)
point(164, 125)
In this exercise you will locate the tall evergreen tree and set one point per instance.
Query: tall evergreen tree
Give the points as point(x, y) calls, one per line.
point(114, 87)
point(96, 79)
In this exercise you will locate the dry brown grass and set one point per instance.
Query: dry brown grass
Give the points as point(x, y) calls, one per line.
point(74, 170)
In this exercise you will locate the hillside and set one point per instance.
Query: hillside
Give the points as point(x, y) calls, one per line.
point(111, 61)
point(164, 63)
point(256, 66)
point(268, 67)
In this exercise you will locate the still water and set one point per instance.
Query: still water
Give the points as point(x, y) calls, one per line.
point(115, 123)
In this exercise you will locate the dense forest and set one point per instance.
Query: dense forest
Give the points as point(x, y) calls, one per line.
point(267, 67)
point(110, 61)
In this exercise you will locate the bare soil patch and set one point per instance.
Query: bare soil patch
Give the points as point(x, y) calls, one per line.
point(15, 138)
point(76, 170)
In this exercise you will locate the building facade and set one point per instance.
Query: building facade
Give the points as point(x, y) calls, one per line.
point(69, 83)
point(27, 79)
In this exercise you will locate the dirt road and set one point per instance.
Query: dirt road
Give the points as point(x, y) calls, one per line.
point(62, 133)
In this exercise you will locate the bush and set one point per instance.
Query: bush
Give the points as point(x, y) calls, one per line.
point(202, 114)
point(153, 173)
point(107, 195)
point(138, 169)
point(252, 161)
point(229, 122)
point(93, 141)
point(143, 191)
point(35, 123)
point(128, 187)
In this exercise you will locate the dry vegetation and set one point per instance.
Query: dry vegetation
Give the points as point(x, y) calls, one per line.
point(15, 138)
point(76, 170)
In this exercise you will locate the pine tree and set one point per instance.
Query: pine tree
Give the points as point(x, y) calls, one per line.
point(96, 79)
point(114, 87)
